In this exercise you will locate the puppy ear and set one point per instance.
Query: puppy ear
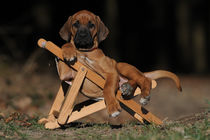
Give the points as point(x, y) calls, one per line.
point(65, 31)
point(103, 31)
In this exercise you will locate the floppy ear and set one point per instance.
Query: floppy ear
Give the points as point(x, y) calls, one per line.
point(65, 31)
point(102, 30)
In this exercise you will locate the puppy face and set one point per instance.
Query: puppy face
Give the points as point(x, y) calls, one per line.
point(85, 29)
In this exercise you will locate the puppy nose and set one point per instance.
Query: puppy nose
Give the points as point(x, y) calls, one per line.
point(83, 32)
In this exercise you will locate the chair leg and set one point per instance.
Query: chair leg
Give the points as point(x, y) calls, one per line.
point(58, 101)
point(67, 107)
point(55, 108)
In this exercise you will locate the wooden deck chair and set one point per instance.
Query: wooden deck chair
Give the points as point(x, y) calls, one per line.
point(62, 111)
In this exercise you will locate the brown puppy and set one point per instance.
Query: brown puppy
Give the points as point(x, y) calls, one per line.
point(84, 31)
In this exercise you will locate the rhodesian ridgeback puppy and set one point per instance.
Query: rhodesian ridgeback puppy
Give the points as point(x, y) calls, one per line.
point(83, 32)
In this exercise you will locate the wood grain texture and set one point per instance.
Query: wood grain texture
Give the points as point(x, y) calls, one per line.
point(56, 106)
point(68, 105)
point(87, 110)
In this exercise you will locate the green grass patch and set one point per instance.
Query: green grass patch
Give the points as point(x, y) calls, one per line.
point(194, 128)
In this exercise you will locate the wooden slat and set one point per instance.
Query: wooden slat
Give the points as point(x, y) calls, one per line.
point(87, 110)
point(95, 107)
point(138, 117)
point(51, 47)
point(67, 107)
point(139, 110)
point(76, 115)
point(92, 76)
point(58, 101)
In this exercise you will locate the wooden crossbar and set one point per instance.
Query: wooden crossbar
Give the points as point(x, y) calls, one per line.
point(66, 115)
point(92, 76)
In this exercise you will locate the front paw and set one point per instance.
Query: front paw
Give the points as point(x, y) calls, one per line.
point(71, 60)
point(114, 109)
point(144, 100)
point(69, 57)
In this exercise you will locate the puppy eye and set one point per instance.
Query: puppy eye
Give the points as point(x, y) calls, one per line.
point(76, 24)
point(91, 25)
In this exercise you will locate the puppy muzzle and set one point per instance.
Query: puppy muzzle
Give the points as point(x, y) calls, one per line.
point(83, 39)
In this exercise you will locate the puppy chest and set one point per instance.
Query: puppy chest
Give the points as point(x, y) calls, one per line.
point(92, 64)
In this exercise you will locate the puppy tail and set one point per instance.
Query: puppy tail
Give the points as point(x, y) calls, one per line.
point(164, 74)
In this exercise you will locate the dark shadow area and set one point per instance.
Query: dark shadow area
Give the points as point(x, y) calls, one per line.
point(86, 125)
point(171, 35)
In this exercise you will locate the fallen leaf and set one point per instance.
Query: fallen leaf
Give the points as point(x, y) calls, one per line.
point(8, 119)
point(26, 124)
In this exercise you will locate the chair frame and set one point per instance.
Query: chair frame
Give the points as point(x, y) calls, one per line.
point(65, 99)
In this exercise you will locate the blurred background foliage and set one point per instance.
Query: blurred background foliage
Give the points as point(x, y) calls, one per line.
point(153, 34)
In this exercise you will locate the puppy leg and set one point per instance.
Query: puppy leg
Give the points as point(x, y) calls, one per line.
point(110, 88)
point(134, 74)
point(69, 53)
point(65, 72)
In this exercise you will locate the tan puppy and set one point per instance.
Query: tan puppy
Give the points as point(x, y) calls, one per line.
point(84, 31)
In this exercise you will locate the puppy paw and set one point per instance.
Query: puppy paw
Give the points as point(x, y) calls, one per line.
point(144, 100)
point(126, 89)
point(70, 60)
point(69, 55)
point(114, 109)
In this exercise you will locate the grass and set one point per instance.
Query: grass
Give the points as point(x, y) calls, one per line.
point(174, 131)
point(21, 126)
point(193, 128)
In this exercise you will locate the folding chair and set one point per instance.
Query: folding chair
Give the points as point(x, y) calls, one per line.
point(63, 109)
